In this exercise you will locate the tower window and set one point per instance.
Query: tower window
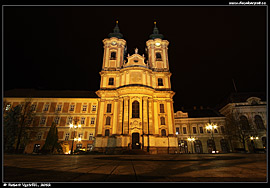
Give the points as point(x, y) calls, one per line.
point(158, 56)
point(135, 109)
point(113, 55)
point(108, 120)
point(111, 81)
point(109, 108)
point(161, 106)
point(160, 82)
point(162, 121)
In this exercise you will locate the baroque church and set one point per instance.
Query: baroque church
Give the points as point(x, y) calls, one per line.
point(133, 110)
point(136, 101)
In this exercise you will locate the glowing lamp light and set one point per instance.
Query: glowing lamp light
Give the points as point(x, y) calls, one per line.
point(79, 125)
point(79, 139)
point(71, 125)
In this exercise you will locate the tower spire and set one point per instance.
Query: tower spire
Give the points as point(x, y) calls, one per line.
point(116, 32)
point(155, 33)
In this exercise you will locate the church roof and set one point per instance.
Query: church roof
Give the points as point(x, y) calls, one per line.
point(116, 32)
point(156, 33)
point(33, 93)
point(200, 113)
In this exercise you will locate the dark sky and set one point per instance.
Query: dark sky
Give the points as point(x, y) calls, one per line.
point(60, 47)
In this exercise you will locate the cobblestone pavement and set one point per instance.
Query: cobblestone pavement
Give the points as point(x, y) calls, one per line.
point(136, 168)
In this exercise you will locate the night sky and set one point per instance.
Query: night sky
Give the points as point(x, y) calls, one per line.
point(60, 47)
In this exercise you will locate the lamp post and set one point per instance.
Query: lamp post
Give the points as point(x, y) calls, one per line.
point(191, 140)
point(74, 127)
point(211, 127)
point(253, 138)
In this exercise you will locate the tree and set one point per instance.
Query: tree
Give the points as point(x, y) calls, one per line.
point(51, 144)
point(25, 118)
point(16, 121)
point(11, 121)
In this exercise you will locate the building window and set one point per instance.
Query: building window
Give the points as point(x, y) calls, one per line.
point(163, 132)
point(8, 107)
point(94, 108)
point(177, 130)
point(69, 120)
point(46, 107)
point(33, 107)
point(92, 121)
point(244, 123)
point(135, 109)
point(59, 107)
point(109, 108)
point(184, 130)
point(111, 81)
point(201, 130)
point(80, 135)
point(107, 132)
point(39, 135)
point(67, 136)
point(56, 120)
point(83, 120)
point(42, 120)
point(161, 106)
point(162, 120)
point(78, 146)
point(84, 108)
point(108, 120)
point(259, 122)
point(160, 82)
point(72, 106)
point(90, 136)
point(113, 55)
point(222, 129)
point(158, 56)
point(194, 130)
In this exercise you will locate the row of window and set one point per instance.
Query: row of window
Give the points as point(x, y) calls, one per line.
point(201, 131)
point(111, 82)
point(246, 126)
point(69, 120)
point(67, 136)
point(59, 107)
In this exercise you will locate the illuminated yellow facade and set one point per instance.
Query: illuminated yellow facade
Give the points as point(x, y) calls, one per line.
point(136, 102)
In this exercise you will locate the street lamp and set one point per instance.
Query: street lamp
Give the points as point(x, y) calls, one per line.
point(212, 127)
point(74, 127)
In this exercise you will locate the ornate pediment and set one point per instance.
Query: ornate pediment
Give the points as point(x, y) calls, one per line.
point(135, 60)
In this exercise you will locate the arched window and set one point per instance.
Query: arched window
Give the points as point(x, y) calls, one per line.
point(162, 120)
point(107, 132)
point(161, 106)
point(244, 123)
point(158, 56)
point(163, 132)
point(259, 122)
point(113, 55)
point(108, 120)
point(135, 109)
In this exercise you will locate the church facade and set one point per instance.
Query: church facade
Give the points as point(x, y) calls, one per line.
point(136, 100)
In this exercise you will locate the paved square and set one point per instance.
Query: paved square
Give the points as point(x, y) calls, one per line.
point(136, 168)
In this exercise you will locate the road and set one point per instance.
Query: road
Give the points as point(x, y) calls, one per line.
point(136, 168)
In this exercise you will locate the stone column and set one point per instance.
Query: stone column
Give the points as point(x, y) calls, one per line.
point(150, 114)
point(115, 116)
point(126, 114)
point(155, 112)
point(120, 117)
point(145, 115)
point(101, 108)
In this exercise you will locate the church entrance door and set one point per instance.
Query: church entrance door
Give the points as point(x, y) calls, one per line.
point(136, 141)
